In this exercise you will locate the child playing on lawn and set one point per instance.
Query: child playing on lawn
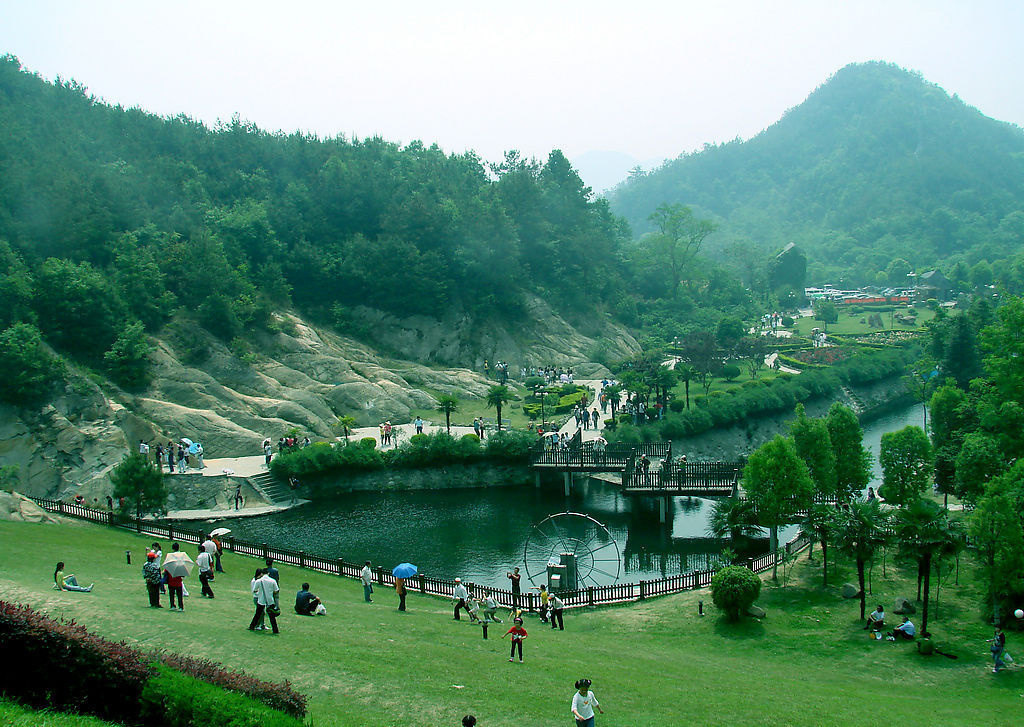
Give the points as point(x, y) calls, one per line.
point(518, 634)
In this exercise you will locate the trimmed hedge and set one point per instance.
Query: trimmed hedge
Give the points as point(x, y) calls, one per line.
point(173, 699)
point(421, 450)
point(60, 665)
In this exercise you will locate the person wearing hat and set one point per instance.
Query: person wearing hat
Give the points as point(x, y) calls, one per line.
point(151, 574)
point(583, 703)
point(555, 606)
point(459, 596)
point(518, 634)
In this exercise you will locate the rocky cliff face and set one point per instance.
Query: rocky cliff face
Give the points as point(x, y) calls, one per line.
point(305, 378)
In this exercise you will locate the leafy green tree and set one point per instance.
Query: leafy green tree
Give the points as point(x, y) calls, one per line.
point(860, 531)
point(853, 461)
point(28, 371)
point(729, 332)
point(497, 396)
point(906, 459)
point(998, 532)
point(813, 444)
point(977, 463)
point(825, 311)
point(733, 518)
point(127, 361)
point(924, 531)
point(820, 524)
point(78, 310)
point(778, 484)
point(345, 424)
point(16, 286)
point(678, 240)
point(753, 349)
point(141, 484)
point(614, 394)
point(950, 422)
point(962, 360)
point(734, 590)
point(701, 353)
point(1003, 343)
point(447, 403)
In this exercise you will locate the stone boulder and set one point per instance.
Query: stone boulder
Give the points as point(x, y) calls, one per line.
point(904, 607)
point(756, 612)
point(21, 509)
point(849, 591)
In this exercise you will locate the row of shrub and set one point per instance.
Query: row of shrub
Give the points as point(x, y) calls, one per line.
point(60, 665)
point(557, 401)
point(421, 450)
point(757, 398)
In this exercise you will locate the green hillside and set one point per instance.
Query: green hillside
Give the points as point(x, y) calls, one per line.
point(877, 164)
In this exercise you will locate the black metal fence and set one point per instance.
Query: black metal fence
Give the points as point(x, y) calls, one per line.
point(584, 597)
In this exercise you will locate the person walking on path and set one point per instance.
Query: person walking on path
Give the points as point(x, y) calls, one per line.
point(400, 592)
point(67, 582)
point(515, 578)
point(366, 576)
point(418, 423)
point(268, 453)
point(459, 596)
point(518, 635)
point(556, 606)
point(583, 703)
point(205, 564)
point(998, 648)
point(266, 602)
point(151, 574)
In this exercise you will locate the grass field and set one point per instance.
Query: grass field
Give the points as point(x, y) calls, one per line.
point(654, 663)
point(850, 323)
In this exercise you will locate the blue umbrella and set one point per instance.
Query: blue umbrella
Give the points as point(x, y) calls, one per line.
point(405, 570)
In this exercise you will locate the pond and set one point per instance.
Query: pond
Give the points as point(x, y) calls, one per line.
point(480, 534)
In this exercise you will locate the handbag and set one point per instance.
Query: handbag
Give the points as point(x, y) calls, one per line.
point(274, 610)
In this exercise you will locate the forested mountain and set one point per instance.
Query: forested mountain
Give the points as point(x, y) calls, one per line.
point(228, 221)
point(876, 165)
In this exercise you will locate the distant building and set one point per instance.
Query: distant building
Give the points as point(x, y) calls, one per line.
point(933, 284)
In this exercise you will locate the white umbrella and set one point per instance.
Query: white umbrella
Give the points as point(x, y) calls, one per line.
point(220, 531)
point(550, 434)
point(186, 440)
point(602, 440)
point(178, 564)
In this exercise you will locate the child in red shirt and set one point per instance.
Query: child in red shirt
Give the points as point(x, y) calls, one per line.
point(518, 634)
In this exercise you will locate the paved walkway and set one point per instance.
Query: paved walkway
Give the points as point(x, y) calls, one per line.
point(229, 513)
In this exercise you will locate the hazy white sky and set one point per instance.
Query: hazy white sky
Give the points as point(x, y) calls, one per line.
point(648, 78)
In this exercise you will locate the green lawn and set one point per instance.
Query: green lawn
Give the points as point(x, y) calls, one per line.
point(850, 323)
point(15, 715)
point(470, 408)
point(658, 662)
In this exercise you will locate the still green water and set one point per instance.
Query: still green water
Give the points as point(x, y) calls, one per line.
point(480, 534)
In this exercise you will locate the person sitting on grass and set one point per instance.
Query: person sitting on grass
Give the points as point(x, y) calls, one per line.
point(67, 582)
point(306, 604)
point(905, 630)
point(876, 619)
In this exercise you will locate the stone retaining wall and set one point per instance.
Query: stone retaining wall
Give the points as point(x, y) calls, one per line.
point(458, 476)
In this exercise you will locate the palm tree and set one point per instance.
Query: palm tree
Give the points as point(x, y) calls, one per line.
point(733, 518)
point(819, 525)
point(496, 396)
point(447, 403)
point(614, 393)
point(685, 372)
point(859, 532)
point(924, 531)
point(346, 424)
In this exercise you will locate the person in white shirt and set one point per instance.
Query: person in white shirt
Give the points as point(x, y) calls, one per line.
point(255, 598)
point(583, 703)
point(555, 605)
point(490, 608)
point(143, 448)
point(266, 590)
point(905, 630)
point(366, 576)
point(205, 563)
point(876, 619)
point(459, 596)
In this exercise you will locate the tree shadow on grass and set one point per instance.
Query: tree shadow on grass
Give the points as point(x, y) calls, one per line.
point(746, 629)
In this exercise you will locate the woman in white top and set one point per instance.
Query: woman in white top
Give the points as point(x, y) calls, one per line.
point(583, 703)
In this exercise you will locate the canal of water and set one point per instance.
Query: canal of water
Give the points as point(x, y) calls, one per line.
point(480, 534)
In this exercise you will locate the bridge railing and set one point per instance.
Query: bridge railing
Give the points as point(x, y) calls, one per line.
point(614, 456)
point(444, 587)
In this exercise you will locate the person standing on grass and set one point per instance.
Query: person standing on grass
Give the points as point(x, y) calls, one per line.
point(217, 553)
point(998, 648)
point(490, 608)
point(151, 574)
point(583, 703)
point(366, 576)
point(400, 592)
point(175, 589)
point(255, 599)
point(518, 635)
point(266, 602)
point(556, 606)
point(544, 603)
point(515, 578)
point(271, 571)
point(205, 564)
point(459, 596)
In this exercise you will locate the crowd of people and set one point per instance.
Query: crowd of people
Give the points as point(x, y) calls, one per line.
point(178, 456)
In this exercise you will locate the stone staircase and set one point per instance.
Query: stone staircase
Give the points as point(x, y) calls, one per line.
point(273, 490)
point(855, 401)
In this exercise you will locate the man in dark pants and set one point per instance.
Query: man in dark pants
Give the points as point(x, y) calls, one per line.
point(151, 572)
point(515, 578)
point(205, 563)
point(272, 571)
point(266, 596)
point(556, 605)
